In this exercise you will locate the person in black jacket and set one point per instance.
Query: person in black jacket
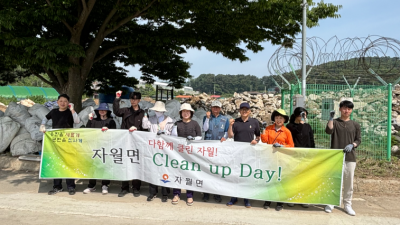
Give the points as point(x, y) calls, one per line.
point(104, 121)
point(131, 119)
point(302, 133)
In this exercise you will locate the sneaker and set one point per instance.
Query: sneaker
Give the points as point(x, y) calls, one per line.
point(217, 198)
point(267, 205)
point(164, 198)
point(206, 197)
point(88, 190)
point(104, 189)
point(55, 191)
point(349, 210)
point(305, 205)
point(123, 193)
point(136, 192)
point(247, 203)
point(71, 191)
point(279, 206)
point(151, 198)
point(328, 209)
point(232, 202)
point(290, 204)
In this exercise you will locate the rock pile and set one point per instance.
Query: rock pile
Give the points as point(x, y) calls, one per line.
point(262, 105)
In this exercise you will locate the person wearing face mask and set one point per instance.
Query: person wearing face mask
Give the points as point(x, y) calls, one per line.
point(279, 136)
point(159, 124)
point(104, 121)
point(302, 133)
point(191, 130)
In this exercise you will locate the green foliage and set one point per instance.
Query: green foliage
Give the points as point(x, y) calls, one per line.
point(77, 42)
point(148, 90)
point(6, 101)
point(37, 99)
point(394, 141)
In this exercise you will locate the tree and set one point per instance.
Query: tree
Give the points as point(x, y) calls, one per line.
point(77, 41)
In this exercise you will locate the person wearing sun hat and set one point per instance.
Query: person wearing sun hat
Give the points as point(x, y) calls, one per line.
point(104, 121)
point(159, 124)
point(279, 136)
point(190, 129)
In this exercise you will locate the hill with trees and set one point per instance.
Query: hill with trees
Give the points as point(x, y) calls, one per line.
point(328, 73)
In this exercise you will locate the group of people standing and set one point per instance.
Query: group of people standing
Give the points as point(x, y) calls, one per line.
point(345, 134)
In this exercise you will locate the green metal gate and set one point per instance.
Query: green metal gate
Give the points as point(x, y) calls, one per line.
point(372, 108)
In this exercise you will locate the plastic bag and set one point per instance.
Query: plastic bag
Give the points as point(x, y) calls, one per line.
point(8, 130)
point(17, 112)
point(23, 144)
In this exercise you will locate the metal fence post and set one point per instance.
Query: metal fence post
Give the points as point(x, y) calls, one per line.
point(282, 99)
point(291, 99)
point(352, 96)
point(389, 123)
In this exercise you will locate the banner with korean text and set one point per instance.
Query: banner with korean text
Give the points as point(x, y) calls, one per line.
point(237, 169)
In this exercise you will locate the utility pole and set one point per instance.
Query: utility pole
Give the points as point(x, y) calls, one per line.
point(304, 53)
point(214, 84)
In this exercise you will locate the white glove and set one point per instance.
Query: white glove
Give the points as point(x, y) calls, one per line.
point(118, 94)
point(104, 128)
point(132, 128)
point(42, 128)
point(90, 116)
point(71, 106)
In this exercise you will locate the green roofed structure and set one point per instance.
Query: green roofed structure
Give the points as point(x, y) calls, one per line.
point(21, 92)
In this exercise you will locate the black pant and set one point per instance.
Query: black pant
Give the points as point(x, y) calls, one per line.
point(70, 183)
point(153, 190)
point(135, 185)
point(92, 183)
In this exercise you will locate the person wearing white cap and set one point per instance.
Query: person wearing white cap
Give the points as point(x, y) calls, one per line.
point(215, 127)
point(159, 124)
point(191, 130)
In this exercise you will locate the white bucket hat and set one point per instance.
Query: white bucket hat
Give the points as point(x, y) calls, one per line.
point(186, 106)
point(159, 106)
point(216, 103)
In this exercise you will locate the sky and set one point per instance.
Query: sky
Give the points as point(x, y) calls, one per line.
point(359, 18)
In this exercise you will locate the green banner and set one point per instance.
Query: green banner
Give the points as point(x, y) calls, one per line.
point(237, 169)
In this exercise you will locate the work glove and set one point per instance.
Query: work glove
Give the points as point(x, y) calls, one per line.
point(190, 138)
point(348, 148)
point(71, 106)
point(132, 128)
point(264, 125)
point(160, 132)
point(104, 128)
point(42, 128)
point(118, 94)
point(331, 115)
point(277, 145)
point(90, 116)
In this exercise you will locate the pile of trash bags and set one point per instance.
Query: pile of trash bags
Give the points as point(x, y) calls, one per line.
point(20, 123)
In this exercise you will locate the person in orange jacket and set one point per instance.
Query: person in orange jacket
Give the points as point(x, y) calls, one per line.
point(279, 136)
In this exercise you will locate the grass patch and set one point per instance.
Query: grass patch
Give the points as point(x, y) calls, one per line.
point(373, 168)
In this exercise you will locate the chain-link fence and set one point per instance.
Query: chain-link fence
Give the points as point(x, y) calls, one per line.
point(372, 108)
